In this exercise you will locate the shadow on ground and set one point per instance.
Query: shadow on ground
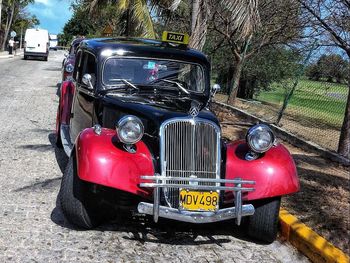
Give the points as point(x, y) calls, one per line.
point(51, 183)
point(323, 200)
point(142, 229)
point(61, 157)
point(53, 69)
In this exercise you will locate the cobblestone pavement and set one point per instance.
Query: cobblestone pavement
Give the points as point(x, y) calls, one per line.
point(32, 228)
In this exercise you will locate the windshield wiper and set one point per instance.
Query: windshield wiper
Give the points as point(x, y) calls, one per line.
point(127, 84)
point(174, 82)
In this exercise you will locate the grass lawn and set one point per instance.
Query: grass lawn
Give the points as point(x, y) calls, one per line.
point(320, 101)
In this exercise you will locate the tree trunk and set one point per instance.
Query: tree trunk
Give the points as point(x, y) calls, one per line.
point(127, 26)
point(235, 77)
point(199, 24)
point(344, 140)
point(8, 26)
point(0, 13)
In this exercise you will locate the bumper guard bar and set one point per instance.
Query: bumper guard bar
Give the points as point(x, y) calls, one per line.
point(157, 210)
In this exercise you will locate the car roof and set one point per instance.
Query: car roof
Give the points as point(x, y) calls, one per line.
point(140, 47)
point(76, 41)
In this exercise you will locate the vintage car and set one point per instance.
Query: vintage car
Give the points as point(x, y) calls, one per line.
point(69, 60)
point(136, 123)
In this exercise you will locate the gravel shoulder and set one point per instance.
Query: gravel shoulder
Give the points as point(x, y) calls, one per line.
point(32, 227)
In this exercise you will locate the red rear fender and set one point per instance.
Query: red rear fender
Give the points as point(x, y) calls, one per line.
point(65, 104)
point(102, 160)
point(66, 100)
point(275, 173)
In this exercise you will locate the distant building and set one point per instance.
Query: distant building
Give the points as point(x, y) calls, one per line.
point(53, 42)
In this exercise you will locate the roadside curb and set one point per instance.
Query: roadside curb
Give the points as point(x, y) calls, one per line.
point(11, 56)
point(7, 56)
point(307, 241)
point(291, 138)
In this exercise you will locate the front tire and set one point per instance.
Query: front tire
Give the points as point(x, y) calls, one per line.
point(263, 225)
point(75, 199)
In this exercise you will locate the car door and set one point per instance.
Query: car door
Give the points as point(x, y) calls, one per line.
point(83, 102)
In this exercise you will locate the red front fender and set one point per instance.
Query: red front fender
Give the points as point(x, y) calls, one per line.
point(102, 160)
point(275, 173)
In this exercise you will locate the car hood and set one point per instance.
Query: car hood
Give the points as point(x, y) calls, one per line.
point(153, 110)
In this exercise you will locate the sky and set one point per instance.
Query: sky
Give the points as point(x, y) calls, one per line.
point(52, 14)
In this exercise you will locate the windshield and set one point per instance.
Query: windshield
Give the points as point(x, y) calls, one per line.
point(162, 73)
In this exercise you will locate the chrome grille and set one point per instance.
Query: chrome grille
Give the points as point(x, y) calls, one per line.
point(190, 147)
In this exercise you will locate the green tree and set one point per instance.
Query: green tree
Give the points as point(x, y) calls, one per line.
point(134, 16)
point(15, 12)
point(250, 28)
point(329, 67)
point(79, 24)
point(272, 64)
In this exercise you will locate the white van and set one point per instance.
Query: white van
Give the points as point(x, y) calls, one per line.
point(36, 43)
point(53, 42)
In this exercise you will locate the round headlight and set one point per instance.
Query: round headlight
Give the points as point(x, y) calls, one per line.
point(130, 129)
point(260, 138)
point(69, 68)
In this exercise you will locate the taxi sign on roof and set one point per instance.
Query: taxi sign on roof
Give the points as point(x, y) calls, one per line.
point(173, 37)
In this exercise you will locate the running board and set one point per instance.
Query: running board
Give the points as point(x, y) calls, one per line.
point(65, 139)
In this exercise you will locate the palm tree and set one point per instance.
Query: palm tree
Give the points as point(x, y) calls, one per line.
point(134, 14)
point(139, 12)
point(244, 17)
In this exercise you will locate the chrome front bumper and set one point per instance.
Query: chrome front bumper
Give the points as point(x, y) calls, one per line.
point(157, 210)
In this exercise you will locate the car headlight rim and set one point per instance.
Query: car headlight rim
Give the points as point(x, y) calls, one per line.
point(122, 134)
point(69, 68)
point(256, 132)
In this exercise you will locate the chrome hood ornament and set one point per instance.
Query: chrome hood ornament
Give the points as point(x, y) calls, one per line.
point(194, 110)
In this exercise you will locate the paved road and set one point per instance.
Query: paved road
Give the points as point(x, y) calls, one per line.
point(32, 227)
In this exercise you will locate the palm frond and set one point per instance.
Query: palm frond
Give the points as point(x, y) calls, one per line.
point(123, 4)
point(174, 5)
point(244, 16)
point(143, 17)
point(93, 5)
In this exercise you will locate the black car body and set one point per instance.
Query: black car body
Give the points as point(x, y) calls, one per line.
point(137, 126)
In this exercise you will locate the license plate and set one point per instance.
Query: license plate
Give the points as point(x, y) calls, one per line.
point(198, 200)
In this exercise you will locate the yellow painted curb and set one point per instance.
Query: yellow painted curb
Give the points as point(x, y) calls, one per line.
point(315, 247)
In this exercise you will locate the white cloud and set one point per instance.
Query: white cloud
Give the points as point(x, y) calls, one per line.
point(44, 2)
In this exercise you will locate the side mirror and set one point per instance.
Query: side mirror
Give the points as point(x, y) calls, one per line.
point(87, 80)
point(65, 54)
point(215, 89)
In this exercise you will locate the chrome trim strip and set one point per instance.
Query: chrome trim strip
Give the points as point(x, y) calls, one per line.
point(65, 139)
point(199, 187)
point(156, 201)
point(196, 217)
point(238, 203)
point(207, 180)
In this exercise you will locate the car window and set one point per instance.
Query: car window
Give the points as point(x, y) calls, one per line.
point(148, 72)
point(89, 66)
point(78, 67)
